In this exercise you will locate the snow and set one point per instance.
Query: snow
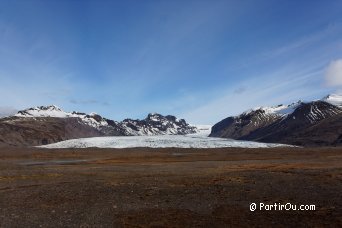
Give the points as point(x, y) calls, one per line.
point(130, 127)
point(155, 124)
point(334, 99)
point(161, 141)
point(54, 111)
point(281, 110)
point(317, 114)
point(42, 111)
point(203, 130)
point(288, 109)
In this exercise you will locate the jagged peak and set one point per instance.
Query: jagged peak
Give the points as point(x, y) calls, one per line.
point(47, 107)
point(156, 117)
point(51, 111)
point(42, 111)
point(154, 114)
point(52, 107)
point(153, 124)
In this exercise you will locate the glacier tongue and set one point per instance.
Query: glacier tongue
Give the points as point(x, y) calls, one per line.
point(161, 141)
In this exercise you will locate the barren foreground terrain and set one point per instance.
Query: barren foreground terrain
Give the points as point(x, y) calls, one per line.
point(169, 187)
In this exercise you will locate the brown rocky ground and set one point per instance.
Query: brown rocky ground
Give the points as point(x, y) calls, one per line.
point(168, 187)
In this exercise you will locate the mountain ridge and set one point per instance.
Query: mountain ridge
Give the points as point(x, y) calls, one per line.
point(51, 124)
point(263, 125)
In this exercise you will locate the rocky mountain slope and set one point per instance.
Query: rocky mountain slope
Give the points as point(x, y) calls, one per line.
point(300, 123)
point(49, 124)
point(15, 131)
point(240, 126)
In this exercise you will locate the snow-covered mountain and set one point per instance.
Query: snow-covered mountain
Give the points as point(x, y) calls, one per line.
point(280, 110)
point(301, 123)
point(51, 124)
point(43, 111)
point(250, 120)
point(283, 123)
point(91, 119)
point(156, 124)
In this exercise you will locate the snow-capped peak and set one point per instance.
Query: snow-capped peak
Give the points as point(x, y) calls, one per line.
point(334, 99)
point(154, 116)
point(157, 124)
point(50, 107)
point(43, 111)
point(281, 110)
point(287, 109)
point(54, 111)
point(153, 124)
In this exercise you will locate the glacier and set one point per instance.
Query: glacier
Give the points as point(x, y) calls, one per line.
point(198, 140)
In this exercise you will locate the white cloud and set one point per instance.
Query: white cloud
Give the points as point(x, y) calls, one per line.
point(7, 111)
point(333, 74)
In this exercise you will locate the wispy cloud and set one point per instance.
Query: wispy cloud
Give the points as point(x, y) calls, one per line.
point(240, 90)
point(304, 41)
point(314, 41)
point(333, 74)
point(7, 111)
point(87, 102)
point(293, 71)
point(281, 87)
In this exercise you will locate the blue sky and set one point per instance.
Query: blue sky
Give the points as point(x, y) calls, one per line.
point(199, 60)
